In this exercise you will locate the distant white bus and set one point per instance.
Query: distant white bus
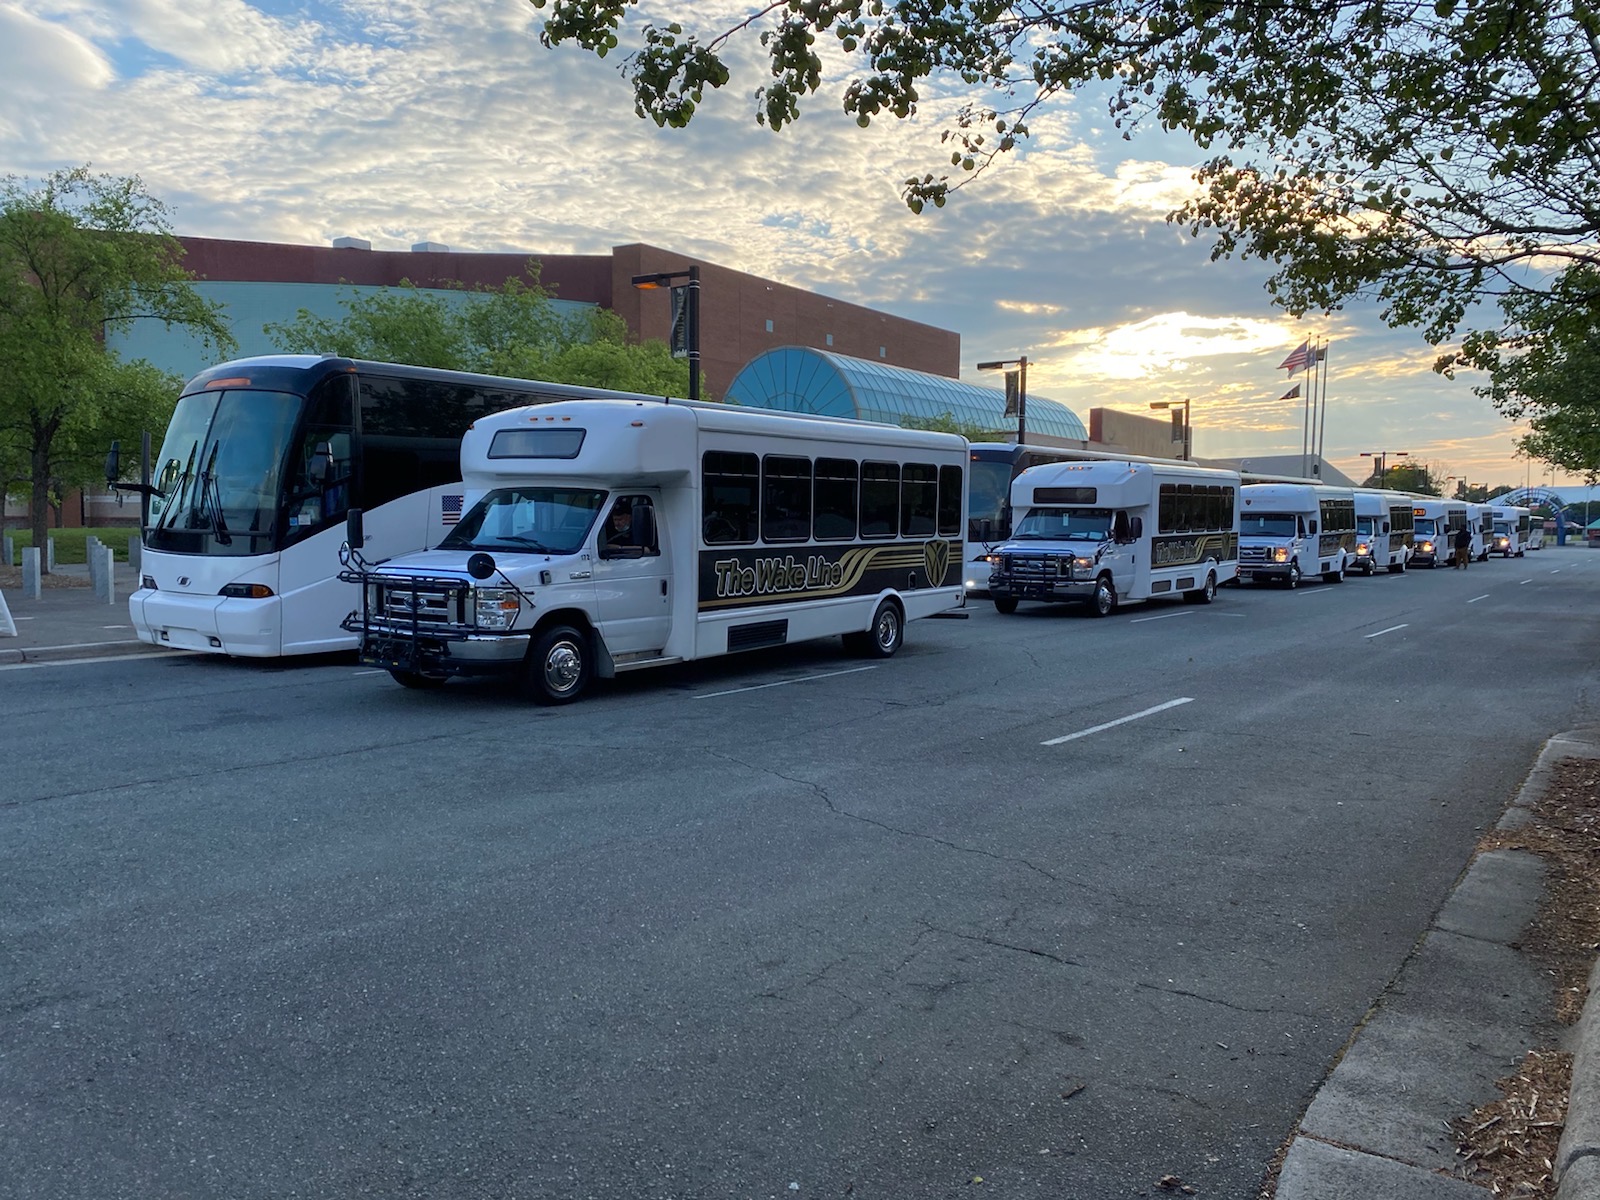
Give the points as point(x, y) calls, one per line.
point(1290, 530)
point(1383, 530)
point(1434, 527)
point(1512, 525)
point(604, 536)
point(1480, 520)
point(1109, 533)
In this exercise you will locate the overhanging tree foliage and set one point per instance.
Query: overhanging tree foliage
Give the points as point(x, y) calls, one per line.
point(1431, 157)
point(82, 256)
point(513, 330)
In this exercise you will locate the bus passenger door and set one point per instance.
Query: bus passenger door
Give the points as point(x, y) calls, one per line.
point(633, 597)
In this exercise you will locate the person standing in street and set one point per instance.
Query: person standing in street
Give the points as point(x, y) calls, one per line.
point(1463, 548)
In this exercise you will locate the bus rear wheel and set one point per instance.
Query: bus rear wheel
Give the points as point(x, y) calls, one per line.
point(1205, 594)
point(1005, 604)
point(887, 634)
point(558, 668)
point(413, 679)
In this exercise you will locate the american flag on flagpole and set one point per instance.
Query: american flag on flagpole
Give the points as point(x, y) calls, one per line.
point(1299, 359)
point(451, 509)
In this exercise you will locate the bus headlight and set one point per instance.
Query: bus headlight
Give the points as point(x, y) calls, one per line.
point(1363, 548)
point(1280, 554)
point(496, 608)
point(1425, 547)
point(1083, 564)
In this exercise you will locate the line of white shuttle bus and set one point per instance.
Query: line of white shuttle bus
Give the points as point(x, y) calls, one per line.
point(1107, 533)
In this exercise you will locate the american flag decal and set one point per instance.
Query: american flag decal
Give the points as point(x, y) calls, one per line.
point(450, 507)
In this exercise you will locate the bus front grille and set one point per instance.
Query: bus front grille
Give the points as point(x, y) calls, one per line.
point(1252, 555)
point(421, 602)
point(1029, 568)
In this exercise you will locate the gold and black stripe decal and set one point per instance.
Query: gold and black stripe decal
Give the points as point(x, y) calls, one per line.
point(742, 577)
point(1188, 549)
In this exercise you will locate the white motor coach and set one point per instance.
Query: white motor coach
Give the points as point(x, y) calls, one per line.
point(1512, 524)
point(603, 536)
point(1290, 530)
point(1110, 533)
point(1383, 530)
point(1434, 527)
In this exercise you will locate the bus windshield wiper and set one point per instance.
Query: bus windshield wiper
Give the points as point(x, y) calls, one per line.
point(211, 500)
point(536, 546)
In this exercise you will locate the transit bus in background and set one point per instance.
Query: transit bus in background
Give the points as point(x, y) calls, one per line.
point(992, 467)
point(1512, 524)
point(261, 460)
point(1290, 530)
point(604, 536)
point(1107, 533)
point(1434, 526)
point(1383, 530)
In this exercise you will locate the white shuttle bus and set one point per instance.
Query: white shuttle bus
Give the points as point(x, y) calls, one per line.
point(1480, 520)
point(1434, 525)
point(607, 536)
point(261, 460)
point(1383, 530)
point(1110, 533)
point(1290, 530)
point(1512, 524)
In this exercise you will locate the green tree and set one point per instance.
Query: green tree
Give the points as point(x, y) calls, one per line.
point(513, 330)
point(947, 422)
point(82, 256)
point(1430, 157)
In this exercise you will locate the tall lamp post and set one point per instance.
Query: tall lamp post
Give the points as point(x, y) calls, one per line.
point(1381, 458)
point(690, 313)
point(1183, 433)
point(1020, 375)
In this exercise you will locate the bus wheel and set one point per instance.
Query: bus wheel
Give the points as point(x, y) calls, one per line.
point(886, 635)
point(412, 679)
point(1005, 604)
point(1294, 576)
point(1203, 595)
point(1398, 568)
point(1104, 601)
point(558, 668)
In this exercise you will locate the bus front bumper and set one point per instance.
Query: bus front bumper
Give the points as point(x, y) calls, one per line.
point(208, 624)
point(441, 653)
point(1264, 573)
point(1056, 589)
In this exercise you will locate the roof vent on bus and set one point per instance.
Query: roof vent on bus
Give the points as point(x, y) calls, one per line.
point(350, 243)
point(429, 248)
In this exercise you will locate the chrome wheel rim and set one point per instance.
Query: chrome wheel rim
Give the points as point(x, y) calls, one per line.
point(563, 667)
point(888, 628)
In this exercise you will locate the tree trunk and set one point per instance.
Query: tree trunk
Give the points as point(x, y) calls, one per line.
point(39, 504)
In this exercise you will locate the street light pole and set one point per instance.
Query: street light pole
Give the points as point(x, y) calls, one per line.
point(1381, 457)
point(1021, 364)
point(1185, 438)
point(691, 316)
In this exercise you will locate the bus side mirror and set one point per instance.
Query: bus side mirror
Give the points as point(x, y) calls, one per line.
point(354, 536)
point(1135, 529)
point(1120, 528)
point(644, 525)
point(320, 469)
point(986, 530)
point(114, 463)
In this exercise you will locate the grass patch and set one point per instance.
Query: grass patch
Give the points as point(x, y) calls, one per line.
point(72, 544)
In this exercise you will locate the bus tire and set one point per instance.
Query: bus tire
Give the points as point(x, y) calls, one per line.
point(1294, 576)
point(1398, 568)
point(1204, 594)
point(558, 666)
point(1104, 600)
point(888, 633)
point(1005, 605)
point(416, 680)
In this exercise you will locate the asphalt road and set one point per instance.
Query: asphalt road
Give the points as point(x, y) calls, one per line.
point(782, 925)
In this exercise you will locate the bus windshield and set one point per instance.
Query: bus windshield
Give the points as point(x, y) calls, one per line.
point(527, 520)
point(1502, 526)
point(1364, 526)
point(219, 471)
point(1267, 525)
point(1423, 527)
point(1064, 525)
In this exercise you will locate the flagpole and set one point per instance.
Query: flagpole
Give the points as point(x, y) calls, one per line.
point(1311, 412)
point(1322, 360)
point(1305, 423)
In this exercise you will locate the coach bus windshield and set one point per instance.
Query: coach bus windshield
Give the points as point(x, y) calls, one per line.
point(1064, 525)
point(988, 488)
point(219, 471)
point(527, 520)
point(1267, 525)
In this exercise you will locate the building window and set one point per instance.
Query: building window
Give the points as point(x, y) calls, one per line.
point(883, 352)
point(769, 325)
point(830, 339)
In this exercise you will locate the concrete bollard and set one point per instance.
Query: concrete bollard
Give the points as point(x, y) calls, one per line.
point(95, 560)
point(135, 547)
point(49, 553)
point(32, 579)
point(108, 573)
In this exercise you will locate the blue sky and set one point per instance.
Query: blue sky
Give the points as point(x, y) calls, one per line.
point(403, 121)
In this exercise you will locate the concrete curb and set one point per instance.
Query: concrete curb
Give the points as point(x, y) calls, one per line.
point(13, 656)
point(1434, 1043)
